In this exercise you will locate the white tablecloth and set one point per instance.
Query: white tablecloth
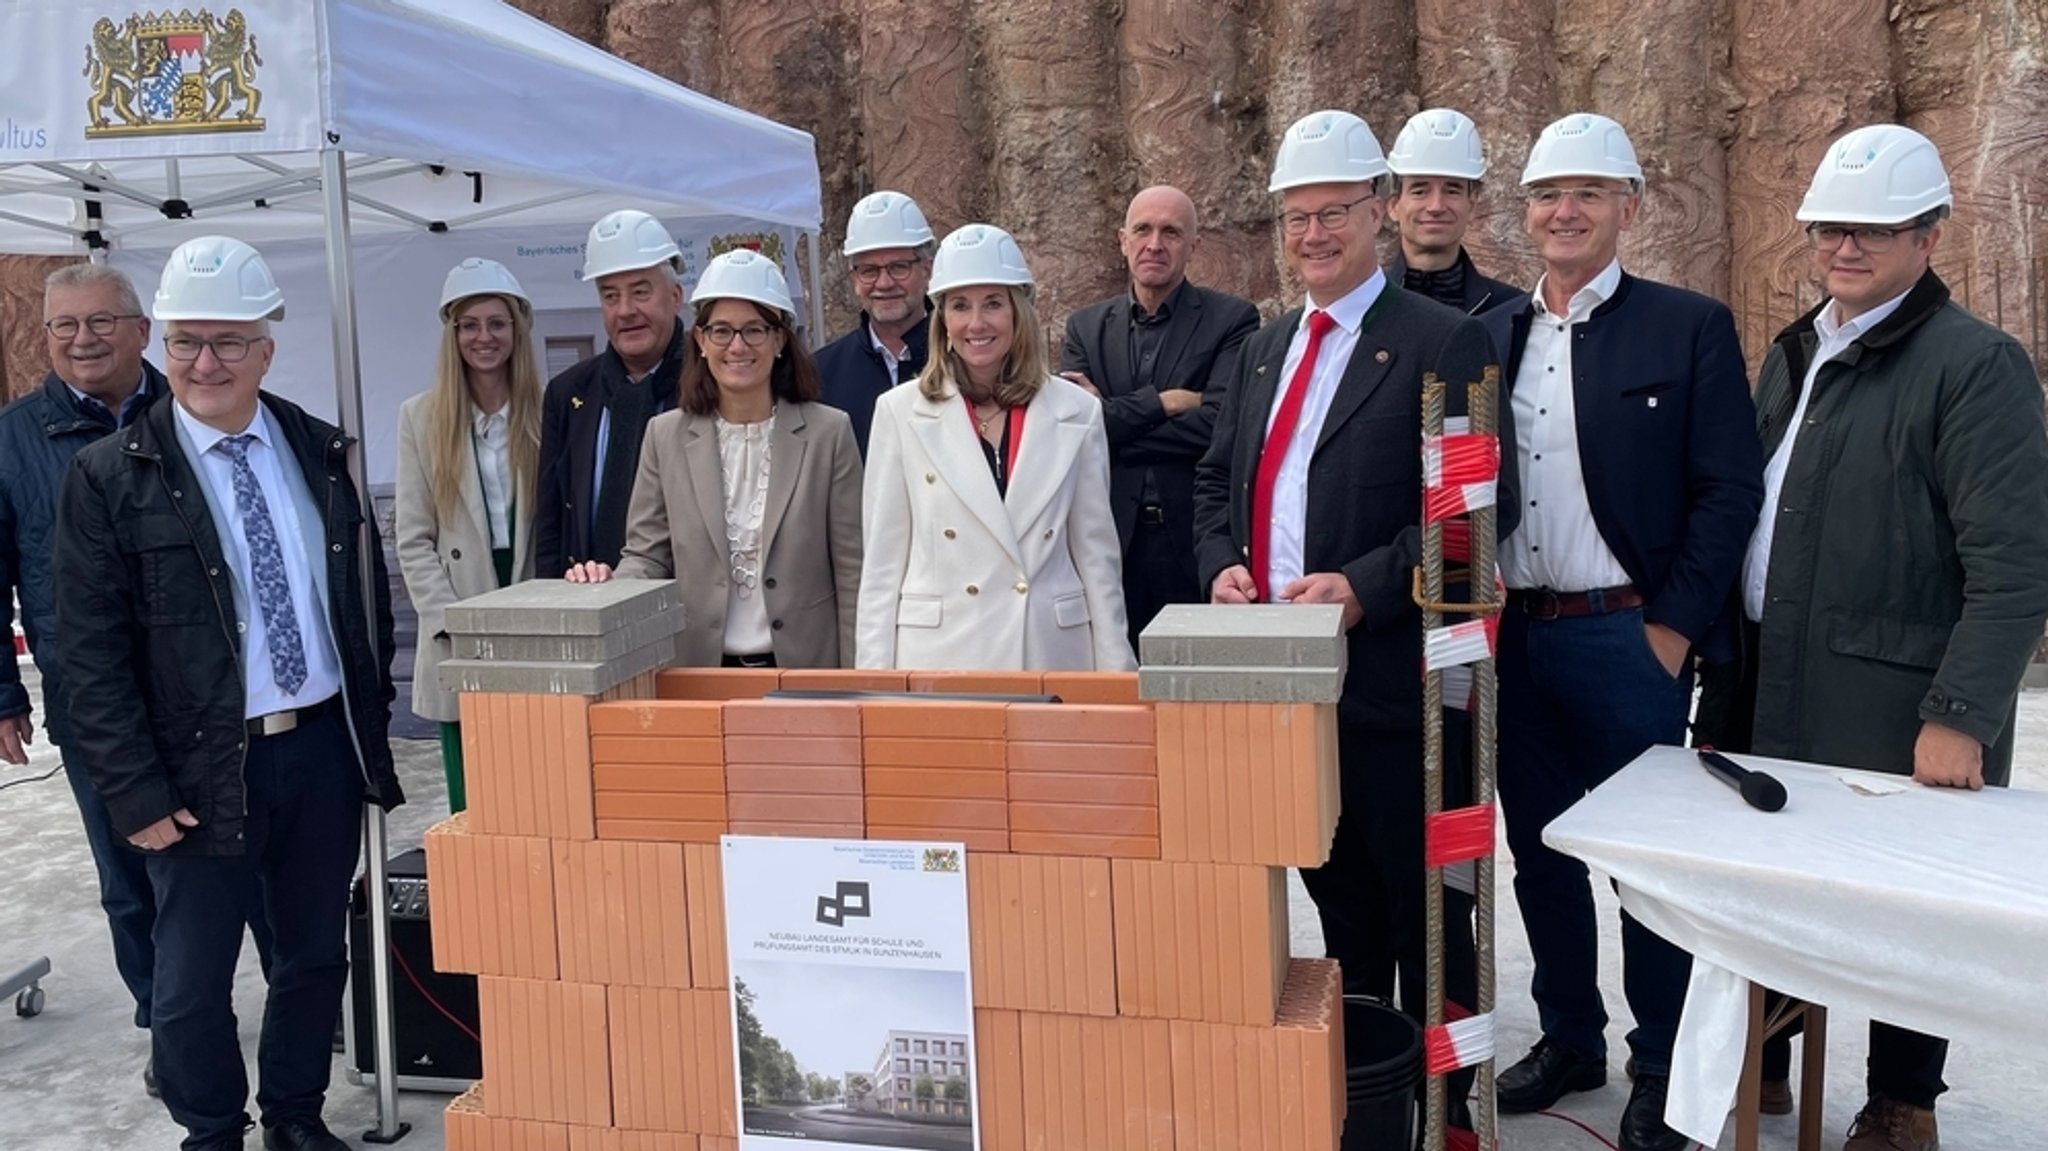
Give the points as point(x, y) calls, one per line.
point(1924, 907)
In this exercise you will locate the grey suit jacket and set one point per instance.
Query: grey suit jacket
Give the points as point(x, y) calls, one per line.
point(810, 532)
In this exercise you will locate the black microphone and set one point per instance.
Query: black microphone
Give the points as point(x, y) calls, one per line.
point(1758, 790)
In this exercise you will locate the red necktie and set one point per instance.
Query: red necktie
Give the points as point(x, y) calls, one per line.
point(1275, 453)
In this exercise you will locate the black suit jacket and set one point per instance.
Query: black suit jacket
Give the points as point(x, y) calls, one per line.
point(576, 517)
point(1198, 352)
point(1668, 445)
point(1364, 482)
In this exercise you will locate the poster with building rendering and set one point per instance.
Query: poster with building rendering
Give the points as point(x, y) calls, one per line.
point(853, 1018)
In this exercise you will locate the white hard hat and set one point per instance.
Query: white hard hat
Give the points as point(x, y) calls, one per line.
point(217, 278)
point(626, 241)
point(979, 254)
point(744, 274)
point(1878, 174)
point(1328, 147)
point(1438, 142)
point(477, 276)
point(885, 220)
point(1583, 144)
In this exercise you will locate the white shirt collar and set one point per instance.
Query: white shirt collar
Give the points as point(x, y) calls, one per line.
point(205, 436)
point(1842, 335)
point(487, 422)
point(1583, 301)
point(1350, 308)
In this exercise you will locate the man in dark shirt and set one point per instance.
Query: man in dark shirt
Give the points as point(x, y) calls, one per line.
point(889, 255)
point(1437, 165)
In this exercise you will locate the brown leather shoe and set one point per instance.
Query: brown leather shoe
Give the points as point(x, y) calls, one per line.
point(1776, 1098)
point(1888, 1125)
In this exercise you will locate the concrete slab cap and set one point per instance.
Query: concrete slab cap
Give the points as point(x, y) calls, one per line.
point(572, 648)
point(532, 677)
point(1240, 684)
point(558, 607)
point(1245, 635)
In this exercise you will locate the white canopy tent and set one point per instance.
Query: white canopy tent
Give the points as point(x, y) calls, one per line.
point(363, 126)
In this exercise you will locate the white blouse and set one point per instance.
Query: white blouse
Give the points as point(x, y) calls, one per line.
point(743, 456)
point(491, 439)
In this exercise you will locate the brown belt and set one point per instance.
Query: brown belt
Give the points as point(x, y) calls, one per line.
point(1542, 603)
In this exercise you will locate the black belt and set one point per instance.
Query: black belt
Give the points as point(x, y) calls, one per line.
point(279, 722)
point(1151, 514)
point(761, 659)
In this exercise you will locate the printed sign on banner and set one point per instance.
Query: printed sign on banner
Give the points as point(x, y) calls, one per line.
point(853, 1018)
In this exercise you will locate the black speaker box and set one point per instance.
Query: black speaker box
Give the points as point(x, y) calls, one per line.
point(434, 1015)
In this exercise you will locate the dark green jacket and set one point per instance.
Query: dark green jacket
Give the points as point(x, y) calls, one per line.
point(1908, 575)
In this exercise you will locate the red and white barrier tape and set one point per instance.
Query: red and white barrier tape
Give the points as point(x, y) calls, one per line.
point(1464, 1043)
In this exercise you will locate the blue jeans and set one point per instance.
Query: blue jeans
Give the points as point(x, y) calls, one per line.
point(128, 900)
point(302, 837)
point(1579, 699)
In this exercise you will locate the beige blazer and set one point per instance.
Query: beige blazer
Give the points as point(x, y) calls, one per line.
point(810, 532)
point(444, 562)
point(960, 577)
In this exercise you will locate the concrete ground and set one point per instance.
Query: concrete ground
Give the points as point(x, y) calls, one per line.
point(70, 1078)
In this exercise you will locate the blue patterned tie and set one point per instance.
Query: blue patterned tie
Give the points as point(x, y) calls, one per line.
point(273, 591)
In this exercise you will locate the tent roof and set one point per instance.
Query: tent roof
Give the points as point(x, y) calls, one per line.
point(454, 113)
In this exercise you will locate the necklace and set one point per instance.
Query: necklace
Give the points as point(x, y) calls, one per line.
point(743, 524)
point(983, 422)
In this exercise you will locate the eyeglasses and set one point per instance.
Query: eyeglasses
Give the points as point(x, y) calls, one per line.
point(1870, 241)
point(1334, 218)
point(898, 270)
point(226, 349)
point(753, 335)
point(99, 324)
point(1590, 197)
point(470, 329)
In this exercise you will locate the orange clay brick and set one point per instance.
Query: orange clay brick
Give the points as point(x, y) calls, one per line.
point(1113, 687)
point(933, 719)
point(843, 679)
point(714, 683)
point(664, 1051)
point(495, 899)
point(702, 779)
point(792, 718)
point(1090, 758)
point(625, 915)
point(948, 754)
point(999, 1074)
point(935, 783)
point(1247, 782)
point(971, 838)
point(1060, 787)
point(661, 830)
point(787, 830)
point(663, 750)
point(979, 682)
point(532, 773)
point(939, 815)
point(704, 871)
point(1082, 723)
point(657, 718)
point(1200, 941)
point(1106, 846)
point(1042, 932)
point(693, 807)
point(1271, 1088)
point(614, 1139)
point(467, 1126)
point(1084, 819)
point(839, 810)
point(1101, 1083)
point(794, 779)
point(825, 750)
point(546, 1047)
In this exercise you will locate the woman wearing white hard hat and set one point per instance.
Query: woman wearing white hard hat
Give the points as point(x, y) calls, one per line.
point(990, 541)
point(468, 451)
point(748, 495)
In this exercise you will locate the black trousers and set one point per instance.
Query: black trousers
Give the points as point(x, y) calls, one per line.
point(1369, 895)
point(302, 837)
point(1903, 1065)
point(1158, 570)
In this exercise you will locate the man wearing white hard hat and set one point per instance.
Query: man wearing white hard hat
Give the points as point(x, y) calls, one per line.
point(1437, 163)
point(752, 461)
point(1898, 582)
point(468, 454)
point(1159, 355)
point(1311, 493)
point(889, 261)
point(1641, 480)
point(229, 697)
point(597, 411)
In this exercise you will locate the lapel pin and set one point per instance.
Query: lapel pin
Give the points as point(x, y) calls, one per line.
point(1653, 401)
point(1262, 369)
point(575, 401)
point(1380, 356)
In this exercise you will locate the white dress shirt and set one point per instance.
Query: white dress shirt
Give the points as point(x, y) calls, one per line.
point(894, 361)
point(1557, 545)
point(1284, 555)
point(1834, 340)
point(743, 462)
point(290, 502)
point(492, 442)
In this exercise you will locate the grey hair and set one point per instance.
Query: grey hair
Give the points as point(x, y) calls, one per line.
point(86, 275)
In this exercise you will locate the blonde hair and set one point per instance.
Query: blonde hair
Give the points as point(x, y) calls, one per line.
point(1024, 367)
point(449, 426)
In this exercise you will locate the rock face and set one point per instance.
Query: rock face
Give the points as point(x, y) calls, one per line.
point(1045, 117)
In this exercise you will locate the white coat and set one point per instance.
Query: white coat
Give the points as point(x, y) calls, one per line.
point(959, 576)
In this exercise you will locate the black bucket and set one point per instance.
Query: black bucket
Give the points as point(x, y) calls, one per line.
point(1382, 1067)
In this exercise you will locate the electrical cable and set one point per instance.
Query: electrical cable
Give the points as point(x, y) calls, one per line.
point(31, 778)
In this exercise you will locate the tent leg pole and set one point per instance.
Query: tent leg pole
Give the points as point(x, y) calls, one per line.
point(817, 316)
point(348, 393)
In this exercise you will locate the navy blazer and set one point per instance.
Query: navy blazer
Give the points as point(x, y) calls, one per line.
point(1364, 482)
point(1668, 445)
point(852, 375)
